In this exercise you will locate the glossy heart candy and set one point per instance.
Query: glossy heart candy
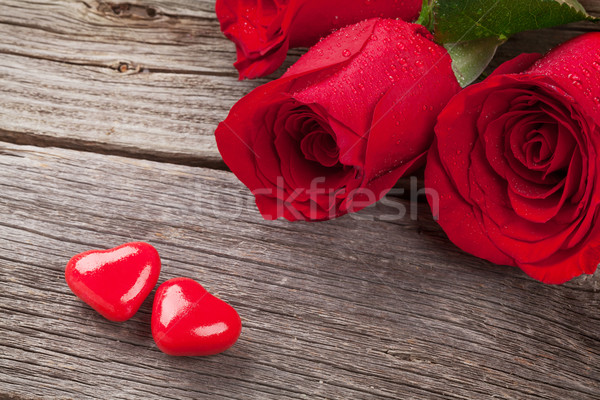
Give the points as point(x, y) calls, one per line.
point(114, 282)
point(189, 321)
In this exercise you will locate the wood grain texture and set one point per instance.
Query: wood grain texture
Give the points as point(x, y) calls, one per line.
point(145, 79)
point(357, 308)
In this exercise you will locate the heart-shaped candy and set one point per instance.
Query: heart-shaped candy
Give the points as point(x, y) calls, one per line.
point(189, 321)
point(114, 282)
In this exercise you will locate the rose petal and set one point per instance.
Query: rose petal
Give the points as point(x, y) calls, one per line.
point(403, 122)
point(455, 215)
point(517, 64)
point(562, 267)
point(263, 30)
point(314, 18)
point(332, 52)
point(572, 67)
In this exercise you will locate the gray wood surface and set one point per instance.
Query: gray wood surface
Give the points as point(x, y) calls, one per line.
point(88, 75)
point(347, 309)
point(61, 67)
point(107, 111)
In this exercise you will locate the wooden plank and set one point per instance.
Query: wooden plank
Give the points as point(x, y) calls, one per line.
point(174, 36)
point(169, 117)
point(61, 70)
point(61, 63)
point(386, 310)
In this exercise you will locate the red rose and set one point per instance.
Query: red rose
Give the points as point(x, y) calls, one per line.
point(516, 164)
point(263, 31)
point(335, 133)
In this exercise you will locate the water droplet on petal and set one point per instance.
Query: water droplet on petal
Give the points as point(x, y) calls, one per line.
point(575, 80)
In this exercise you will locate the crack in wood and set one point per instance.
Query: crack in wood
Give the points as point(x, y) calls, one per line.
point(42, 141)
point(389, 310)
point(123, 67)
point(127, 10)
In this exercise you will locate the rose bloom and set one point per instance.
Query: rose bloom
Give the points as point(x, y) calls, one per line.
point(516, 164)
point(263, 31)
point(336, 132)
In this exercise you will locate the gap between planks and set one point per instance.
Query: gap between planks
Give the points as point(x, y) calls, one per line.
point(143, 79)
point(414, 318)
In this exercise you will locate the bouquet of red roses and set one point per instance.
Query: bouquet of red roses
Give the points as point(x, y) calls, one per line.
point(512, 165)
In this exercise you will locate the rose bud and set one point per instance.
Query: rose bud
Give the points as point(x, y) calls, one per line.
point(516, 164)
point(337, 131)
point(264, 31)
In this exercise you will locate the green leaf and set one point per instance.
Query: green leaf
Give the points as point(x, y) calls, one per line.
point(464, 20)
point(426, 18)
point(469, 59)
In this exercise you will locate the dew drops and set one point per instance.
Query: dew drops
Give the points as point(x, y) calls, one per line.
point(346, 53)
point(597, 101)
point(575, 80)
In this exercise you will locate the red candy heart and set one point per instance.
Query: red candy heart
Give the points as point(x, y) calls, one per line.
point(189, 321)
point(114, 282)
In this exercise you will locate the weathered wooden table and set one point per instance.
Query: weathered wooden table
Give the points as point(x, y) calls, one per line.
point(107, 113)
